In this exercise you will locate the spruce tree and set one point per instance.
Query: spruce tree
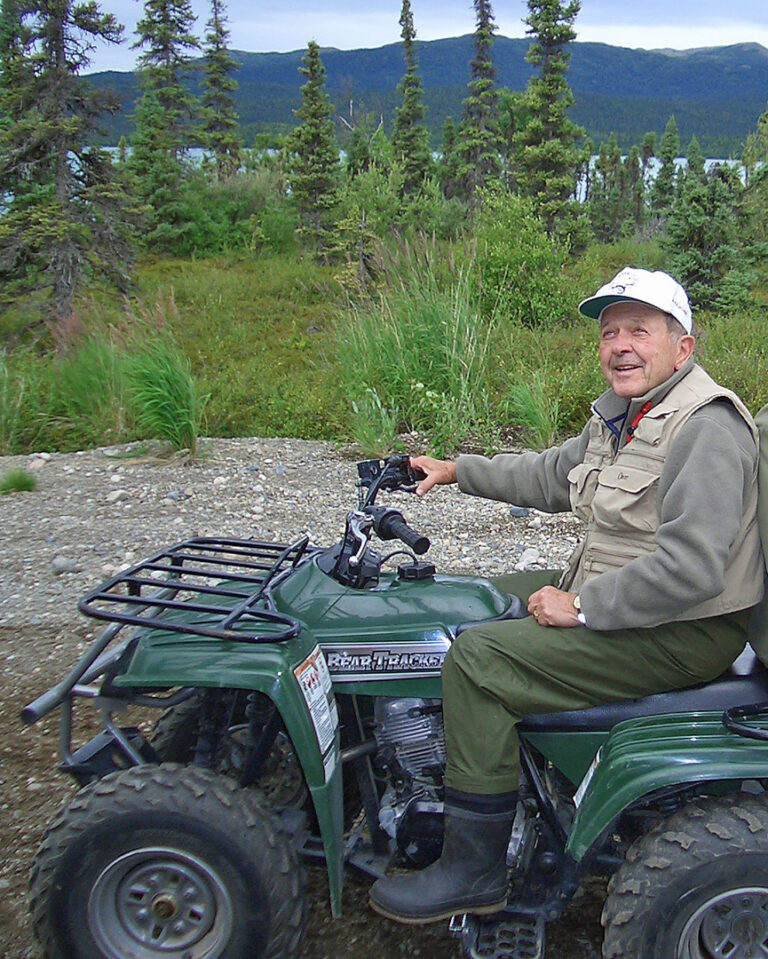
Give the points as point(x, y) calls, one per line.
point(607, 207)
point(164, 118)
point(664, 185)
point(701, 230)
point(754, 208)
point(479, 142)
point(548, 155)
point(218, 111)
point(635, 187)
point(63, 217)
point(167, 45)
point(410, 138)
point(313, 163)
point(448, 164)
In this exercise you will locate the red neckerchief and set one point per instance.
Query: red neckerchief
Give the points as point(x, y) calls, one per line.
point(633, 425)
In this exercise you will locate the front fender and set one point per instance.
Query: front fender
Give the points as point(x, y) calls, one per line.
point(641, 756)
point(294, 675)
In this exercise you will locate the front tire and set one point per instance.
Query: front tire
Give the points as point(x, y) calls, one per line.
point(695, 887)
point(164, 862)
point(175, 734)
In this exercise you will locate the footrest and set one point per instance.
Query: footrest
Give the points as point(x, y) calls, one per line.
point(508, 937)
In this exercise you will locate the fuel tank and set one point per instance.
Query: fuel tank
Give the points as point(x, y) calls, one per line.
point(401, 628)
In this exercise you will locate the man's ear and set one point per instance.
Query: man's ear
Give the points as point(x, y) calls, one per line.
point(685, 347)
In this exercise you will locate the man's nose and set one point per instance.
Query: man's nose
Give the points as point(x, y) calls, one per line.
point(621, 343)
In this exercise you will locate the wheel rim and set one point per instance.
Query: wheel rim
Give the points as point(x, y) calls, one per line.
point(158, 903)
point(735, 923)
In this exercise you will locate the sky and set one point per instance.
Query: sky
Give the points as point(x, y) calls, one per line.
point(284, 25)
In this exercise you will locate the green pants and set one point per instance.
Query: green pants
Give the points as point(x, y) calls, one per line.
point(496, 673)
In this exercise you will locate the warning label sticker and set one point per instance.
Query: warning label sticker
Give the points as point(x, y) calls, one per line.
point(315, 683)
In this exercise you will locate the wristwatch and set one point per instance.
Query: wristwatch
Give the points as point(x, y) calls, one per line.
point(579, 615)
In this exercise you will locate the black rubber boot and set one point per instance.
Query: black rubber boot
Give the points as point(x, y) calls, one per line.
point(469, 876)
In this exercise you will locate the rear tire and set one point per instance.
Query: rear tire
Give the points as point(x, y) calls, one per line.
point(164, 862)
point(695, 887)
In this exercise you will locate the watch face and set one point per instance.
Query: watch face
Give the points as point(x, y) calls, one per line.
point(577, 602)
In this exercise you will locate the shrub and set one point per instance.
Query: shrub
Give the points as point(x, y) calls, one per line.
point(520, 269)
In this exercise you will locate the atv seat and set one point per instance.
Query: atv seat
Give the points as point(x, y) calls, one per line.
point(745, 682)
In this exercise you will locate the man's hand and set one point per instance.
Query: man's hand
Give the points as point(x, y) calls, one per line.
point(553, 607)
point(438, 472)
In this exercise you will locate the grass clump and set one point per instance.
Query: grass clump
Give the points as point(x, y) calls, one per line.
point(17, 481)
point(162, 393)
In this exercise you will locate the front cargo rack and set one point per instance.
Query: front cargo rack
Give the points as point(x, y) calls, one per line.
point(204, 586)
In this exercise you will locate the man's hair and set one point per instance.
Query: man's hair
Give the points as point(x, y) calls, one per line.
point(676, 328)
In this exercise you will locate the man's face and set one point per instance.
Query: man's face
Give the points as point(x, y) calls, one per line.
point(637, 351)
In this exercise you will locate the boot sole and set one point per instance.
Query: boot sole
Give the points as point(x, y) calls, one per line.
point(484, 910)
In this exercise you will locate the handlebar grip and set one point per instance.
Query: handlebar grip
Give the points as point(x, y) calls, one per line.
point(402, 531)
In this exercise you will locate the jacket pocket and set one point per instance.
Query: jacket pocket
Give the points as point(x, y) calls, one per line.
point(583, 483)
point(625, 499)
point(601, 559)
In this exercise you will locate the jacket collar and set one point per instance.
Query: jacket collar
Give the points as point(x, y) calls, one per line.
point(615, 411)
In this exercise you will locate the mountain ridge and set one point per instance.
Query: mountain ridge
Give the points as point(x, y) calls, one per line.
point(715, 93)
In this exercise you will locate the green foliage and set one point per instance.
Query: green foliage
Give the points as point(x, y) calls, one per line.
point(532, 409)
point(64, 222)
point(478, 142)
point(616, 202)
point(218, 111)
point(701, 232)
point(22, 397)
point(314, 158)
point(410, 138)
point(164, 119)
point(373, 426)
point(554, 377)
point(258, 333)
point(17, 481)
point(161, 390)
point(664, 185)
point(425, 352)
point(547, 153)
point(167, 45)
point(86, 392)
point(520, 268)
point(735, 353)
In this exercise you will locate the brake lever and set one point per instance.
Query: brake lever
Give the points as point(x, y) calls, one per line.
point(357, 523)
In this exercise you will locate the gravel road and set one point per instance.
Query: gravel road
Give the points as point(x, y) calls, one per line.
point(95, 512)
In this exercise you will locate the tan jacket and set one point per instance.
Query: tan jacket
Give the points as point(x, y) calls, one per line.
point(616, 494)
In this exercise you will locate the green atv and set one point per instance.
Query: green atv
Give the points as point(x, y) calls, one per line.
point(299, 701)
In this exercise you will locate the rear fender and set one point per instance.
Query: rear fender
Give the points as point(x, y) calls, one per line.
point(294, 675)
point(642, 756)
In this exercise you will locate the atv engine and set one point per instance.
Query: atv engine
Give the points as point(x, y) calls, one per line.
point(411, 752)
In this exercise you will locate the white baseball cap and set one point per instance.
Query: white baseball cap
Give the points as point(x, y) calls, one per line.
point(641, 286)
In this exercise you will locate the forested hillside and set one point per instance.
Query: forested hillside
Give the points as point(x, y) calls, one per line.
point(715, 94)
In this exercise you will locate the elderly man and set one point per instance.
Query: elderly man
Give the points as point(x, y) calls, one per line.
point(655, 597)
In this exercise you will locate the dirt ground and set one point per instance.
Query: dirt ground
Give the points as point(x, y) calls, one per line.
point(32, 789)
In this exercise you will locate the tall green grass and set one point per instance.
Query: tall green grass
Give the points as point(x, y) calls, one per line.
point(280, 352)
point(163, 394)
point(423, 350)
point(103, 391)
